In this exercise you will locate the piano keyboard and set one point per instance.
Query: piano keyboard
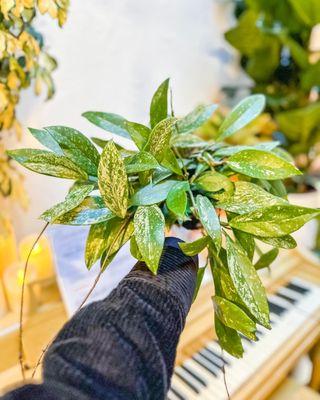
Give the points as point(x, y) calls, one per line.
point(201, 377)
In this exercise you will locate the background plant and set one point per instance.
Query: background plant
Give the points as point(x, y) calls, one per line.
point(23, 61)
point(233, 194)
point(277, 51)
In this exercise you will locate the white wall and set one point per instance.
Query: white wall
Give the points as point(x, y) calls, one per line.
point(112, 55)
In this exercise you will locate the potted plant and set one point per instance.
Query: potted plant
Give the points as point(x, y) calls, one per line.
point(289, 78)
point(228, 192)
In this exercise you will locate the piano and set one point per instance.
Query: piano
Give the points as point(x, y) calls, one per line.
point(203, 370)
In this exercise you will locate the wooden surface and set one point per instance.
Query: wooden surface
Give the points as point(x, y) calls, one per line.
point(291, 390)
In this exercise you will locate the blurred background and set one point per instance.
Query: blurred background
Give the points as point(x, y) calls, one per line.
point(107, 55)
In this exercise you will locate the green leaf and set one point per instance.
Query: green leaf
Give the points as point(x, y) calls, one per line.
point(149, 227)
point(112, 123)
point(284, 242)
point(234, 317)
point(140, 162)
point(194, 248)
point(214, 182)
point(247, 242)
point(229, 338)
point(247, 282)
point(152, 194)
point(47, 163)
point(108, 237)
point(249, 197)
point(196, 118)
point(230, 150)
point(200, 275)
point(170, 162)
point(134, 250)
point(209, 220)
point(246, 111)
point(99, 142)
point(266, 259)
point(177, 200)
point(159, 138)
point(113, 181)
point(262, 165)
point(91, 211)
point(187, 140)
point(138, 132)
point(274, 221)
point(76, 147)
point(159, 104)
point(46, 140)
point(72, 200)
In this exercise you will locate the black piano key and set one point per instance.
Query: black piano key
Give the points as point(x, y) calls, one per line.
point(275, 308)
point(216, 360)
point(177, 393)
point(210, 360)
point(194, 375)
point(285, 297)
point(187, 382)
point(297, 288)
point(223, 359)
point(208, 368)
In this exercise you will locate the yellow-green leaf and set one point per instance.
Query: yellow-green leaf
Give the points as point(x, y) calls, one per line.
point(159, 104)
point(209, 220)
point(229, 338)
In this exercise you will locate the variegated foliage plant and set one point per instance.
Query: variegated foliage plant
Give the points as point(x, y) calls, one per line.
point(233, 194)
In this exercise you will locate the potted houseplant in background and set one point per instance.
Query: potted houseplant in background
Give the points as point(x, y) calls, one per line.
point(289, 78)
point(175, 178)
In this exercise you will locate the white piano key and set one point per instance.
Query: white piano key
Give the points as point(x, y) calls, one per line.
point(182, 387)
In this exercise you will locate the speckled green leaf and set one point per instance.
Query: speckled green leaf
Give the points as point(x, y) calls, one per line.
point(140, 162)
point(177, 199)
point(283, 242)
point(76, 147)
point(152, 194)
point(113, 181)
point(108, 237)
point(159, 104)
point(209, 220)
point(194, 248)
point(234, 317)
point(274, 221)
point(159, 138)
point(187, 140)
point(248, 197)
point(47, 163)
point(46, 140)
point(266, 259)
point(138, 132)
point(196, 118)
point(214, 182)
point(262, 165)
point(91, 211)
point(246, 111)
point(170, 162)
point(72, 200)
point(134, 249)
point(200, 275)
point(112, 123)
point(230, 150)
point(247, 282)
point(149, 227)
point(229, 338)
point(247, 242)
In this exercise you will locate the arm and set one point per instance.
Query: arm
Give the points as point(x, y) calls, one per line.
point(123, 347)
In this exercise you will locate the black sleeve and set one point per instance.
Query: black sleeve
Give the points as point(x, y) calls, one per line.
point(123, 347)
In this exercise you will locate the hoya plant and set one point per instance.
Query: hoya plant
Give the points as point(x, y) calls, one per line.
point(233, 195)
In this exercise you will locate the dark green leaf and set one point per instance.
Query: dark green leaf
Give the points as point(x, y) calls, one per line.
point(113, 123)
point(73, 199)
point(194, 248)
point(262, 165)
point(159, 104)
point(170, 162)
point(47, 163)
point(76, 147)
point(266, 259)
point(140, 162)
point(229, 338)
point(177, 200)
point(234, 317)
point(91, 211)
point(200, 275)
point(112, 179)
point(274, 221)
point(247, 282)
point(196, 118)
point(209, 220)
point(246, 111)
point(149, 227)
point(159, 138)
